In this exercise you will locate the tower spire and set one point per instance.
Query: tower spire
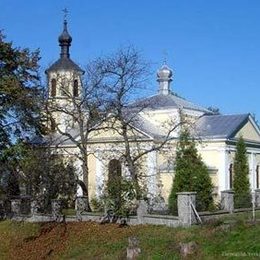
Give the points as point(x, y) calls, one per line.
point(65, 39)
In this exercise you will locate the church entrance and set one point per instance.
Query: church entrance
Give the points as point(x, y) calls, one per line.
point(115, 182)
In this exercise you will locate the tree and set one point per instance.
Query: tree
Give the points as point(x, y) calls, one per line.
point(19, 93)
point(191, 174)
point(242, 196)
point(20, 100)
point(9, 171)
point(37, 172)
point(125, 75)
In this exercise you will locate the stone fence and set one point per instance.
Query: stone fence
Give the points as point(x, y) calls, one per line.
point(27, 210)
point(32, 213)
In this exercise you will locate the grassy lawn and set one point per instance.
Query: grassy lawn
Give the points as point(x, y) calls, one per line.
point(87, 240)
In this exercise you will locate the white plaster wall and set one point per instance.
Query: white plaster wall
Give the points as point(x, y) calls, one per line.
point(100, 176)
point(152, 174)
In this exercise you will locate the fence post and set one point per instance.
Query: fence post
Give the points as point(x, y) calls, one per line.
point(16, 206)
point(227, 200)
point(185, 212)
point(81, 204)
point(257, 198)
point(56, 209)
point(26, 205)
point(141, 211)
point(34, 207)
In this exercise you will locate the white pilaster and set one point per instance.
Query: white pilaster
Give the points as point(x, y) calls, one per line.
point(223, 170)
point(78, 167)
point(100, 176)
point(252, 167)
point(151, 174)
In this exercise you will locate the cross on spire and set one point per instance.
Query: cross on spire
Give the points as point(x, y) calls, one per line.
point(65, 13)
point(165, 57)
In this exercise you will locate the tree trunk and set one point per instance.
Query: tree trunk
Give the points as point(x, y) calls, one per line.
point(85, 172)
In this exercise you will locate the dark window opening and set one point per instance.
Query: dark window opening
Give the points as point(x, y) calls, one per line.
point(75, 88)
point(53, 87)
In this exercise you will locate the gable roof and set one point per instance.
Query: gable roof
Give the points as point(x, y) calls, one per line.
point(219, 126)
point(167, 101)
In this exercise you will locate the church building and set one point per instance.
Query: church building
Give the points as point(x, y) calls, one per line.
point(217, 133)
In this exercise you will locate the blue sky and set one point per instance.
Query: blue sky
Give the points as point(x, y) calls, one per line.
point(213, 46)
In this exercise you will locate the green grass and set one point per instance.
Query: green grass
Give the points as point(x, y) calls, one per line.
point(87, 240)
point(69, 212)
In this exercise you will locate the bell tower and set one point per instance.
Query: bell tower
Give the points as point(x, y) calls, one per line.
point(64, 79)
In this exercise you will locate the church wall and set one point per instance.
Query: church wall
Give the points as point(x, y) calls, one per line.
point(216, 158)
point(249, 133)
point(166, 180)
point(213, 154)
point(165, 162)
point(222, 158)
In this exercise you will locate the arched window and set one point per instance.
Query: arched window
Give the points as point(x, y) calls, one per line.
point(114, 181)
point(75, 88)
point(53, 87)
point(231, 176)
point(257, 176)
point(64, 87)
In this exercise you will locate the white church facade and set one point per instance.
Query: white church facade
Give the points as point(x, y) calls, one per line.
point(217, 133)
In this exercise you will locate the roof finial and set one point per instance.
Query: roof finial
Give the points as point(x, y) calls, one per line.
point(65, 12)
point(165, 57)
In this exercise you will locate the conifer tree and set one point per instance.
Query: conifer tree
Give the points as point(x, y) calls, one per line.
point(20, 103)
point(191, 174)
point(20, 93)
point(242, 196)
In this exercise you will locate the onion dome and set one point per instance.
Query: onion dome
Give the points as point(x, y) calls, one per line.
point(65, 37)
point(164, 77)
point(65, 41)
point(164, 72)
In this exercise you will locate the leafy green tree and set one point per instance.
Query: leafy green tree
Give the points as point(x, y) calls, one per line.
point(20, 102)
point(48, 176)
point(242, 196)
point(191, 174)
point(38, 173)
point(19, 93)
point(9, 170)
